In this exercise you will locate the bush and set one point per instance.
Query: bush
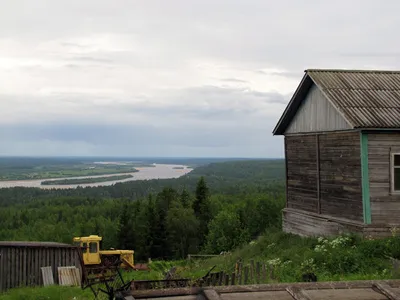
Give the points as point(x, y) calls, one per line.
point(393, 247)
point(373, 249)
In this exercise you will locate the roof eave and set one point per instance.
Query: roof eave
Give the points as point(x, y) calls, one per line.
point(291, 108)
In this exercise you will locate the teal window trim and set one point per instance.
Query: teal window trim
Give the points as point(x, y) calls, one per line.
point(365, 178)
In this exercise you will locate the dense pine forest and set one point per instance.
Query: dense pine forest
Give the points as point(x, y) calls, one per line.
point(216, 207)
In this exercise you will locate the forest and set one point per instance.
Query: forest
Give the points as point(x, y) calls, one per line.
point(216, 207)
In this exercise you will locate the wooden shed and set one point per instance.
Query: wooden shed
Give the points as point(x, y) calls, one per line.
point(21, 262)
point(342, 150)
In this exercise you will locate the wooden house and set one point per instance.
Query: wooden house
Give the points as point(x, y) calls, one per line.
point(342, 150)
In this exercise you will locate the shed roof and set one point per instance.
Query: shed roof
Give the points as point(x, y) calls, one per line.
point(363, 289)
point(365, 98)
point(34, 244)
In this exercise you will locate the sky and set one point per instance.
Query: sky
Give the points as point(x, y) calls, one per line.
point(173, 77)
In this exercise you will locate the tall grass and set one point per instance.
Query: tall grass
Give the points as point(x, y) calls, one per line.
point(345, 257)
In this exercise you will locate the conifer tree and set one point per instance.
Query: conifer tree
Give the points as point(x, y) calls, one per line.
point(202, 209)
point(126, 233)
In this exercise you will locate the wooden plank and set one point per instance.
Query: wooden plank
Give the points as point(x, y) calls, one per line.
point(233, 278)
point(226, 279)
point(297, 293)
point(246, 275)
point(1, 269)
point(211, 294)
point(13, 268)
point(220, 278)
point(387, 291)
point(286, 179)
point(318, 174)
point(380, 146)
point(264, 273)
point(346, 294)
point(47, 275)
point(7, 267)
point(68, 276)
point(258, 270)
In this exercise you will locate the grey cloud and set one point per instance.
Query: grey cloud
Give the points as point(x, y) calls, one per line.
point(229, 104)
point(234, 80)
point(372, 54)
point(158, 49)
point(99, 134)
point(92, 59)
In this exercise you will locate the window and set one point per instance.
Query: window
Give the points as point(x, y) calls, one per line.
point(84, 247)
point(396, 172)
point(93, 247)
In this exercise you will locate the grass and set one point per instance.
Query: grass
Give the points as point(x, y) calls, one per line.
point(341, 258)
point(48, 293)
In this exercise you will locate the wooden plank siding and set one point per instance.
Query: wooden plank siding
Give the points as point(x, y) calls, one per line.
point(316, 114)
point(21, 265)
point(385, 206)
point(301, 184)
point(324, 174)
point(340, 175)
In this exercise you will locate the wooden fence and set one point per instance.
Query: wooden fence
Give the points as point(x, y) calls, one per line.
point(253, 273)
point(21, 263)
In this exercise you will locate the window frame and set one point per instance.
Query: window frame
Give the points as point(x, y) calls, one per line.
point(91, 249)
point(392, 173)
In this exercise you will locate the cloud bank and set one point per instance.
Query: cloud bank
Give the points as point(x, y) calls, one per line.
point(172, 78)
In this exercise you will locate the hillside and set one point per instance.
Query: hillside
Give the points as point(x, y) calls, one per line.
point(231, 177)
point(246, 196)
point(222, 207)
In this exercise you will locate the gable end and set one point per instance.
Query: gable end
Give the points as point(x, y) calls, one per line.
point(316, 114)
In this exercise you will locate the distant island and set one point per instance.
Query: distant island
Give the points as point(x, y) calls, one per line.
point(85, 180)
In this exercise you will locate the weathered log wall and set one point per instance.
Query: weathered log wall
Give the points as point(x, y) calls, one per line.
point(385, 205)
point(301, 178)
point(324, 174)
point(340, 175)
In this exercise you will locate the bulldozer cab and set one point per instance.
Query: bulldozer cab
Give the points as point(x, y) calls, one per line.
point(90, 246)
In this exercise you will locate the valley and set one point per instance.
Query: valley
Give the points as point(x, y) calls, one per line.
point(232, 207)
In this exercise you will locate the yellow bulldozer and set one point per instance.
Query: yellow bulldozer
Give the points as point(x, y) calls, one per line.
point(94, 257)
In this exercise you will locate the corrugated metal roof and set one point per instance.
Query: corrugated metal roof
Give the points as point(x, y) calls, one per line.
point(34, 244)
point(365, 98)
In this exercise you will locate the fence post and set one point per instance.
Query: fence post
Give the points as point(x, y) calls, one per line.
point(246, 275)
point(271, 272)
point(264, 273)
point(233, 279)
point(221, 277)
point(226, 279)
point(240, 273)
point(214, 279)
point(258, 272)
point(252, 270)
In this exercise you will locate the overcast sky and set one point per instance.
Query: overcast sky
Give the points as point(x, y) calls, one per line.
point(173, 77)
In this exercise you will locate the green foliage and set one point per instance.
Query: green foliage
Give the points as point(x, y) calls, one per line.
point(162, 224)
point(226, 232)
point(202, 208)
point(291, 256)
point(234, 178)
point(48, 293)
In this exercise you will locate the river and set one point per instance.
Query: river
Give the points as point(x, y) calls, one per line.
point(158, 171)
